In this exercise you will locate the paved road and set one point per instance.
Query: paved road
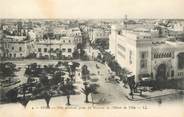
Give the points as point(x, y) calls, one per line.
point(116, 94)
point(109, 93)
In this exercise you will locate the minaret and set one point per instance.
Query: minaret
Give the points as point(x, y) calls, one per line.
point(19, 26)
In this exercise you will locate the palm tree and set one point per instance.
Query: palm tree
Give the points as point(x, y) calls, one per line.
point(73, 68)
point(85, 72)
point(67, 89)
point(88, 89)
point(47, 97)
point(132, 84)
point(57, 77)
point(7, 69)
point(24, 101)
point(12, 95)
point(68, 99)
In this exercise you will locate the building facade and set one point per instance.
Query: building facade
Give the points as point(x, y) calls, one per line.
point(98, 33)
point(62, 48)
point(1, 45)
point(147, 55)
point(17, 46)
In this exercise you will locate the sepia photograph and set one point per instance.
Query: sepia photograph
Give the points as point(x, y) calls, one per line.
point(91, 58)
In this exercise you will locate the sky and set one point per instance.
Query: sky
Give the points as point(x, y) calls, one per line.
point(91, 8)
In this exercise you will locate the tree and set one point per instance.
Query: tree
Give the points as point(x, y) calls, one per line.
point(85, 72)
point(67, 89)
point(132, 84)
point(33, 70)
point(24, 102)
point(82, 52)
point(47, 96)
point(57, 77)
point(7, 69)
point(12, 95)
point(88, 89)
point(101, 43)
point(99, 57)
point(76, 54)
point(44, 81)
point(74, 66)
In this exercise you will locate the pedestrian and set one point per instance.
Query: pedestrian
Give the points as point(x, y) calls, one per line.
point(98, 72)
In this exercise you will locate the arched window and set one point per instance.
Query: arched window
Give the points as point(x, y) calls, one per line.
point(159, 55)
point(170, 55)
point(181, 60)
point(162, 55)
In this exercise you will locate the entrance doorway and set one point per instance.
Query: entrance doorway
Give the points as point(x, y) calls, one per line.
point(161, 72)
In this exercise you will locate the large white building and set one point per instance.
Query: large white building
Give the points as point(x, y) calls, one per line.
point(1, 46)
point(146, 55)
point(18, 46)
point(57, 48)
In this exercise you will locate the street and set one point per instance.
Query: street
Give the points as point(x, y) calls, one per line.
point(109, 93)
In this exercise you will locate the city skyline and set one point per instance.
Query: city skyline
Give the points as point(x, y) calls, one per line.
point(91, 9)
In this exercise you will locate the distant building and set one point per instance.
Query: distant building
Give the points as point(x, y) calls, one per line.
point(177, 30)
point(18, 46)
point(98, 33)
point(179, 26)
point(54, 48)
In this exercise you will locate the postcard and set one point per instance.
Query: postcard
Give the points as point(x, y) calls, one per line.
point(89, 58)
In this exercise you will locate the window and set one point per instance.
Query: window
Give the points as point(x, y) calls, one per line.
point(143, 55)
point(69, 50)
point(39, 50)
point(181, 61)
point(45, 49)
point(172, 73)
point(63, 41)
point(143, 64)
point(155, 56)
point(20, 49)
point(130, 57)
point(119, 32)
point(63, 49)
point(122, 47)
point(20, 54)
point(12, 48)
point(121, 54)
point(170, 55)
point(51, 49)
point(14, 55)
point(69, 41)
point(163, 55)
